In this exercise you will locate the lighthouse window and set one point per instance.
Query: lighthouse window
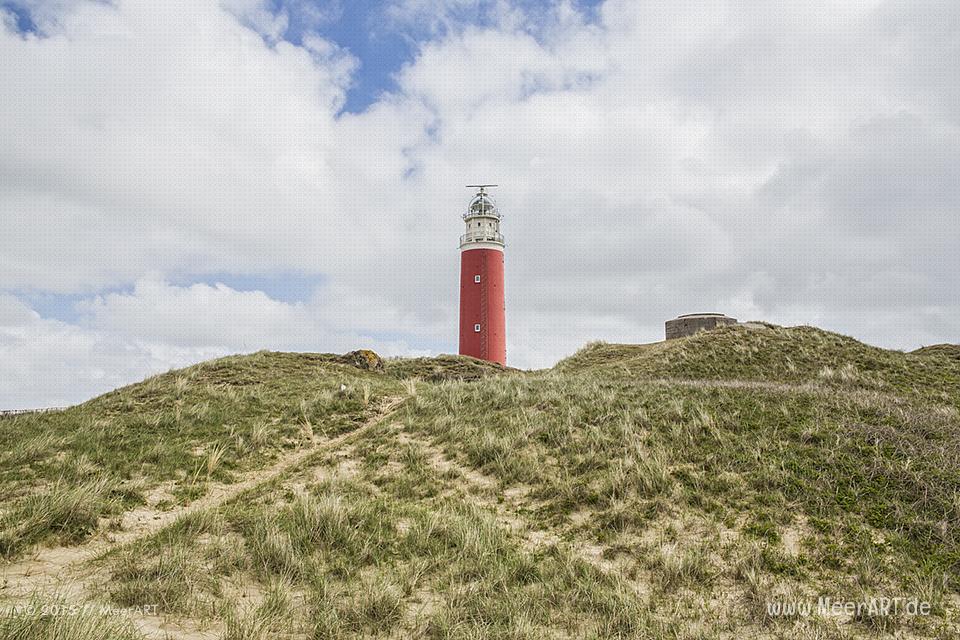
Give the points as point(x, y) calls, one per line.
point(476, 279)
point(476, 328)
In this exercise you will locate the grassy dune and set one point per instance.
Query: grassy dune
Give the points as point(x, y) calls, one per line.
point(777, 354)
point(634, 491)
point(60, 473)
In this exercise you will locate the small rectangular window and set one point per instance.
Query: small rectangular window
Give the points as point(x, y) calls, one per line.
point(476, 328)
point(476, 278)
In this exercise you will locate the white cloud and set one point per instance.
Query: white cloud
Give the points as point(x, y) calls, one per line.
point(51, 363)
point(123, 337)
point(197, 315)
point(790, 162)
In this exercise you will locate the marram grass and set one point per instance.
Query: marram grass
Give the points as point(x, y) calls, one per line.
point(633, 491)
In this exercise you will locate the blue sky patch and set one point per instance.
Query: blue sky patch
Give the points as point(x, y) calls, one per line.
point(63, 306)
point(22, 21)
point(383, 45)
point(363, 29)
point(288, 287)
point(367, 30)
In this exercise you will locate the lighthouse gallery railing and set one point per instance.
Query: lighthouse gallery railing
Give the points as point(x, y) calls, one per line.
point(481, 237)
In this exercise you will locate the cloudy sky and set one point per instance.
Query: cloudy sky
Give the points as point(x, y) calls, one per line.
point(181, 180)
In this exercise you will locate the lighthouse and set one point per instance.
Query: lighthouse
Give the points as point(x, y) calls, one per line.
point(483, 330)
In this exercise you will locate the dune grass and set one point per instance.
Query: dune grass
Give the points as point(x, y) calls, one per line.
point(633, 491)
point(45, 618)
point(65, 512)
point(629, 451)
point(779, 354)
point(363, 560)
point(188, 427)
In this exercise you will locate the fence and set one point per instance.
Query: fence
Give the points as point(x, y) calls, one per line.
point(8, 413)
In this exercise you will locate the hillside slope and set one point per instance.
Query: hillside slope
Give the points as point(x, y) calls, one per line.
point(781, 354)
point(683, 489)
point(951, 351)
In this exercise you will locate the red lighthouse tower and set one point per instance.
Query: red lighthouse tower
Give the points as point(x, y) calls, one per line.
point(483, 330)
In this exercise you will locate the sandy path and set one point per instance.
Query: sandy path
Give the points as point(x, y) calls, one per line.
point(62, 571)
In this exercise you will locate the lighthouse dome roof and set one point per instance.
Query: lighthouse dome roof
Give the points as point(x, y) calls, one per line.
point(482, 205)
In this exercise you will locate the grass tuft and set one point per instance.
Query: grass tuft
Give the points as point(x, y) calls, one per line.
point(55, 619)
point(66, 513)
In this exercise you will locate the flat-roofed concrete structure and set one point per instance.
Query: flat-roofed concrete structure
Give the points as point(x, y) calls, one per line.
point(691, 323)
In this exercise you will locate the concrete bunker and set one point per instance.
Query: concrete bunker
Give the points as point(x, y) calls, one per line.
point(690, 323)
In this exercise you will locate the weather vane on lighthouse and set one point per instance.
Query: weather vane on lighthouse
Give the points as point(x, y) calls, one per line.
point(483, 331)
